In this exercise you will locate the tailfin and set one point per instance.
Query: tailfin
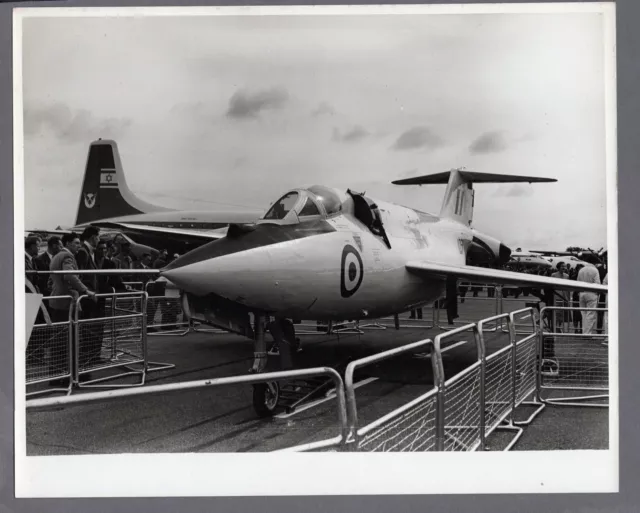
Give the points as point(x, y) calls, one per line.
point(458, 199)
point(104, 190)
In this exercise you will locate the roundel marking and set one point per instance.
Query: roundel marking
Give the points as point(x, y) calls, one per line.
point(351, 271)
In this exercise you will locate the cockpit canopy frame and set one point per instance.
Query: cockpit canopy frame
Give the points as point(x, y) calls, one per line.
point(297, 205)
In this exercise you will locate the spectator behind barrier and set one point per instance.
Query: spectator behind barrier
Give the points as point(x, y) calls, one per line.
point(43, 262)
point(109, 262)
point(161, 261)
point(125, 259)
point(66, 284)
point(589, 274)
point(30, 252)
point(91, 334)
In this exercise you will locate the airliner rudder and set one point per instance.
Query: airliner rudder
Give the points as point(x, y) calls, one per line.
point(105, 193)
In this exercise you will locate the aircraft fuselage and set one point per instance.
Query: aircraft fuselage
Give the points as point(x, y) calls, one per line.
point(326, 268)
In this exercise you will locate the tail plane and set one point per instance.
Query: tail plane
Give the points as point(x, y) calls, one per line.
point(105, 193)
point(458, 199)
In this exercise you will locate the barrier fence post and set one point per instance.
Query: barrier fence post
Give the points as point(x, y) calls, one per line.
point(482, 354)
point(438, 378)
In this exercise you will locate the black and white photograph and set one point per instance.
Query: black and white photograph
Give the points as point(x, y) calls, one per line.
point(263, 243)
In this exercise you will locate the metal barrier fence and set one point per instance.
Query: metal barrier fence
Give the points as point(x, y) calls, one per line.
point(110, 341)
point(97, 336)
point(456, 412)
point(252, 379)
point(48, 353)
point(573, 362)
point(410, 427)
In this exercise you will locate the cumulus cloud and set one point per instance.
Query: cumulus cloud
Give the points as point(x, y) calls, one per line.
point(357, 133)
point(489, 142)
point(416, 138)
point(244, 104)
point(323, 109)
point(71, 125)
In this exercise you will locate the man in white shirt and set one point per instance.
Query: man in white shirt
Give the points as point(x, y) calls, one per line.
point(589, 274)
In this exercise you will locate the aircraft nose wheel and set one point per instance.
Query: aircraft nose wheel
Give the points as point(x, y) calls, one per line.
point(265, 398)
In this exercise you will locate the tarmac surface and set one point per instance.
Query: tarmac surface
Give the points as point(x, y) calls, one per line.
point(222, 419)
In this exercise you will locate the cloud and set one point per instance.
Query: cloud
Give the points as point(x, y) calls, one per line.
point(418, 137)
point(357, 133)
point(489, 142)
point(71, 125)
point(515, 191)
point(323, 109)
point(243, 104)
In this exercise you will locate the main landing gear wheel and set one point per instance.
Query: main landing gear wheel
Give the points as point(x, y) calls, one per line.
point(265, 398)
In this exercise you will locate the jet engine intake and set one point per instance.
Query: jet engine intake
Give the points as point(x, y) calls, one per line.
point(485, 250)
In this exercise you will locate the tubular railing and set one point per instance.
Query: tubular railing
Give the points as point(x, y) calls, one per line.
point(578, 362)
point(251, 379)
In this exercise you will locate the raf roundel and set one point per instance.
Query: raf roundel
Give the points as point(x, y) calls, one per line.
point(351, 271)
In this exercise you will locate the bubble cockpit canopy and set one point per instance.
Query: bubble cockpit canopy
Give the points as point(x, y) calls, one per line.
point(300, 204)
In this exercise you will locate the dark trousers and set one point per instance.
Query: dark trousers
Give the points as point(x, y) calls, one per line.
point(91, 333)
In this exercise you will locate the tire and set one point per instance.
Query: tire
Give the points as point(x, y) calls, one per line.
point(265, 398)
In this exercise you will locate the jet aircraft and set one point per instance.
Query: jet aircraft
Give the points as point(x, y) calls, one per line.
point(323, 254)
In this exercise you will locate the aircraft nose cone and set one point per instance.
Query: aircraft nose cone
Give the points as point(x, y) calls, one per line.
point(504, 254)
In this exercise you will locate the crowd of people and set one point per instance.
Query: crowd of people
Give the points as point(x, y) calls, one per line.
point(86, 251)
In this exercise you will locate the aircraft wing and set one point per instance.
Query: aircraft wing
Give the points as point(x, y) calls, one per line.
point(202, 235)
point(485, 275)
point(552, 253)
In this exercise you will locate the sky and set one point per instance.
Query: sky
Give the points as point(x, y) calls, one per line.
point(228, 112)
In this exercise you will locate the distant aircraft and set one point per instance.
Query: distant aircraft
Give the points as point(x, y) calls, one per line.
point(106, 201)
point(577, 255)
point(323, 254)
point(527, 259)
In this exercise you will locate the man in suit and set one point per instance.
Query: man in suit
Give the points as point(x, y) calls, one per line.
point(30, 252)
point(92, 333)
point(35, 347)
point(105, 260)
point(43, 262)
point(65, 285)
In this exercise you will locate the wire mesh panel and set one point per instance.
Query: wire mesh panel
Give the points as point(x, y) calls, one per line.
point(52, 356)
point(48, 351)
point(462, 410)
point(573, 362)
point(105, 342)
point(498, 387)
point(460, 421)
point(526, 356)
point(410, 428)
